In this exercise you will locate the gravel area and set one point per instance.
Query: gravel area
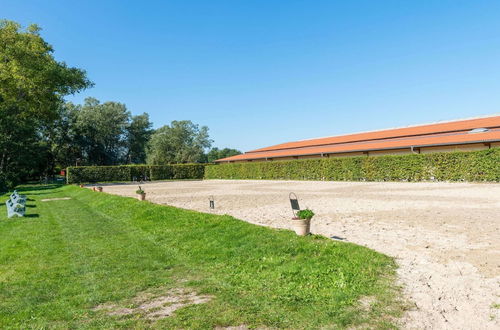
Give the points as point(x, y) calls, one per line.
point(444, 236)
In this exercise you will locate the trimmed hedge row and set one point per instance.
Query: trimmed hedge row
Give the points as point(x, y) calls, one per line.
point(91, 174)
point(447, 166)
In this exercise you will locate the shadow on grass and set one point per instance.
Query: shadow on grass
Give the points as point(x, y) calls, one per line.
point(35, 190)
point(38, 188)
point(38, 194)
point(32, 215)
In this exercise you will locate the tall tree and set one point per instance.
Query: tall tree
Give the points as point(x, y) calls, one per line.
point(97, 134)
point(62, 139)
point(216, 153)
point(102, 132)
point(181, 142)
point(32, 87)
point(22, 151)
point(138, 134)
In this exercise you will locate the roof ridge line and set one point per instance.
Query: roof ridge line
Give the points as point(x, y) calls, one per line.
point(400, 127)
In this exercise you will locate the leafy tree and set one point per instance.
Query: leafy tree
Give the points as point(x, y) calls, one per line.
point(138, 134)
point(61, 139)
point(181, 142)
point(39, 131)
point(22, 150)
point(102, 132)
point(32, 87)
point(217, 153)
point(97, 134)
point(30, 78)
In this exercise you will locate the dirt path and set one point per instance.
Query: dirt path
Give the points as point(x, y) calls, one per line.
point(444, 236)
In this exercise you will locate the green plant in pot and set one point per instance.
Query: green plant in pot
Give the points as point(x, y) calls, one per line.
point(141, 194)
point(302, 222)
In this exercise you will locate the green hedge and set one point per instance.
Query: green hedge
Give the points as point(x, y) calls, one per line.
point(449, 166)
point(91, 174)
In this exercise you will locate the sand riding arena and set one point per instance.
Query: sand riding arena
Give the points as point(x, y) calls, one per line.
point(444, 236)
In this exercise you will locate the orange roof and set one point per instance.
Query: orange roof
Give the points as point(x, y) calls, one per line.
point(448, 133)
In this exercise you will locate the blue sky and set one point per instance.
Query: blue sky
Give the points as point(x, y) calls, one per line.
point(259, 73)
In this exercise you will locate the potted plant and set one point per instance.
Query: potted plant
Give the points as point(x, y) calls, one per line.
point(99, 189)
point(141, 194)
point(302, 222)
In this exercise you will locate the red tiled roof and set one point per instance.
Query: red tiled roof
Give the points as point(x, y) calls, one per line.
point(448, 133)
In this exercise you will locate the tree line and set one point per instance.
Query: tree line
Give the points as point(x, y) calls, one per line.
point(41, 133)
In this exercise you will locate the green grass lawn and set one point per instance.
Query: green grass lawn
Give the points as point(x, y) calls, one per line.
point(69, 256)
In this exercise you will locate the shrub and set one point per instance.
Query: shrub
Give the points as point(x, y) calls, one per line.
point(305, 214)
point(447, 166)
point(92, 174)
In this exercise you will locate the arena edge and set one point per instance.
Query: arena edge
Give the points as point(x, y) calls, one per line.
point(472, 166)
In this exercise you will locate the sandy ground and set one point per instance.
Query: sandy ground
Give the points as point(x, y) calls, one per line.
point(444, 236)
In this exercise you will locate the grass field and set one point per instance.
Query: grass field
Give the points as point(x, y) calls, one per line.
point(69, 256)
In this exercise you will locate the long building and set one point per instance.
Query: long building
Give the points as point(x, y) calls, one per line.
point(462, 135)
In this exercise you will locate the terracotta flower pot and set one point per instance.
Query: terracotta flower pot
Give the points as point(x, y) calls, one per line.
point(302, 227)
point(141, 197)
